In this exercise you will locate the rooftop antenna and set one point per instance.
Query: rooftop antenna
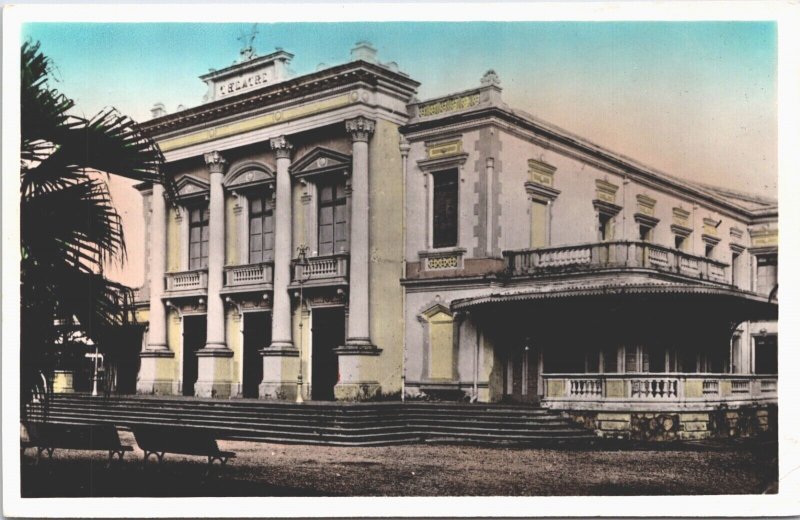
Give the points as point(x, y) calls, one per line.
point(247, 52)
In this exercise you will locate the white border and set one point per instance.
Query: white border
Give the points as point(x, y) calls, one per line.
point(787, 502)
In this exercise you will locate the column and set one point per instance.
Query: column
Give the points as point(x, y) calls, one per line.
point(281, 358)
point(155, 375)
point(357, 366)
point(214, 361)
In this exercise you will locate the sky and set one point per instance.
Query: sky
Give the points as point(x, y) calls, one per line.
point(694, 99)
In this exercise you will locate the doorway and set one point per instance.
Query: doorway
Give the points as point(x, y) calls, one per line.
point(257, 335)
point(194, 338)
point(327, 334)
point(521, 377)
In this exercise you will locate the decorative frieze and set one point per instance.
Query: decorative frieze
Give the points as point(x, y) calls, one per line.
point(680, 217)
point(443, 149)
point(541, 173)
point(645, 205)
point(449, 105)
point(710, 226)
point(606, 191)
point(442, 260)
point(763, 237)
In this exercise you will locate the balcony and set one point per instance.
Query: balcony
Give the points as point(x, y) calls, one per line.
point(643, 391)
point(248, 278)
point(322, 271)
point(614, 255)
point(187, 282)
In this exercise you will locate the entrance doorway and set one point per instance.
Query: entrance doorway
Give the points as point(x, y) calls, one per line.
point(327, 334)
point(194, 338)
point(521, 377)
point(257, 335)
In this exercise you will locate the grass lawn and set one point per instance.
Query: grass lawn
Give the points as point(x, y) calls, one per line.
point(260, 469)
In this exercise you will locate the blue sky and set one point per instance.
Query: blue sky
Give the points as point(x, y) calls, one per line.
point(696, 99)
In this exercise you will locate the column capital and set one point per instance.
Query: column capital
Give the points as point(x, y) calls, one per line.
point(281, 146)
point(215, 162)
point(360, 128)
point(405, 146)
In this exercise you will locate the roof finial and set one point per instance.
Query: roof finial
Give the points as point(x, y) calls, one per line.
point(247, 52)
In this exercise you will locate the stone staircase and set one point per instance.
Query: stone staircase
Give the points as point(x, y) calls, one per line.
point(329, 423)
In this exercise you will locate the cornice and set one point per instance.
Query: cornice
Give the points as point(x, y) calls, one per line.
point(289, 90)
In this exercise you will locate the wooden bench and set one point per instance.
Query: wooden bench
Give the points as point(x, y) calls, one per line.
point(184, 440)
point(47, 437)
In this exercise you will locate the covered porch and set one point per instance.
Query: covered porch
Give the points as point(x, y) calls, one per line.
point(606, 345)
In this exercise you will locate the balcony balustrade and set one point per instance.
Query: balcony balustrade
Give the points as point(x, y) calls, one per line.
point(618, 254)
point(650, 390)
point(331, 270)
point(195, 280)
point(250, 276)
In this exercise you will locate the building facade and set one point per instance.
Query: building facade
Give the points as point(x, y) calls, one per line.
point(335, 236)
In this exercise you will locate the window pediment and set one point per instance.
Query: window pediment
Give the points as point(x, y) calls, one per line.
point(319, 161)
point(189, 186)
point(246, 175)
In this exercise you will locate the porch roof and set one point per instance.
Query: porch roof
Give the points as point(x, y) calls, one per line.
point(761, 307)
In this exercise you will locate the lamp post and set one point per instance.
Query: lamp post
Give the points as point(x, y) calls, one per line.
point(303, 276)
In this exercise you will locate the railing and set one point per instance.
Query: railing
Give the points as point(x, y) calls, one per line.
point(251, 274)
point(322, 268)
point(585, 387)
point(187, 280)
point(654, 388)
point(647, 389)
point(617, 254)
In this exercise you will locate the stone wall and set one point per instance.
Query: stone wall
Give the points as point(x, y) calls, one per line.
point(667, 426)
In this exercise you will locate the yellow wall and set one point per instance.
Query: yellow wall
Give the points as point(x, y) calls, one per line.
point(386, 252)
point(234, 340)
point(175, 341)
point(441, 341)
point(173, 241)
point(232, 233)
point(538, 224)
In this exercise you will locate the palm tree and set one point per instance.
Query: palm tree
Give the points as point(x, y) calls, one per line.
point(69, 227)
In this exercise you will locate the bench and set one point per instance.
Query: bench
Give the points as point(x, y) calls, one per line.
point(184, 440)
point(47, 437)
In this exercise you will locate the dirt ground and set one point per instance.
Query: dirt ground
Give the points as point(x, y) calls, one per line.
point(261, 469)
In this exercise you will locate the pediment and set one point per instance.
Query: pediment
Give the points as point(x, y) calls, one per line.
point(248, 175)
point(188, 186)
point(320, 160)
point(437, 313)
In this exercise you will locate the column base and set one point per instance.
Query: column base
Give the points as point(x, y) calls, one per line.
point(280, 373)
point(156, 373)
point(214, 372)
point(358, 377)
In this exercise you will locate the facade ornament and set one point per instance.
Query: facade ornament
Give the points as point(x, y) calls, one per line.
point(281, 146)
point(490, 78)
point(360, 128)
point(215, 162)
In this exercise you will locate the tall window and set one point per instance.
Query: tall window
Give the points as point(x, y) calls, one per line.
point(605, 227)
point(735, 264)
point(445, 209)
point(198, 237)
point(766, 273)
point(261, 230)
point(332, 219)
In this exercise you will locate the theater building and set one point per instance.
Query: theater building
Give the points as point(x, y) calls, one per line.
point(334, 235)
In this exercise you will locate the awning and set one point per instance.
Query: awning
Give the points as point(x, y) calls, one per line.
point(758, 307)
